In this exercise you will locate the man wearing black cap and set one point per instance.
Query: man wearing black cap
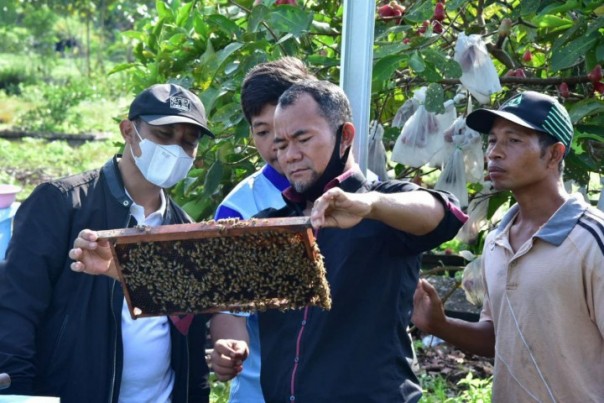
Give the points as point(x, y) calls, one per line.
point(68, 335)
point(543, 315)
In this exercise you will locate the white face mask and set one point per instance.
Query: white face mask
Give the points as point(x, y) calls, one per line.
point(162, 165)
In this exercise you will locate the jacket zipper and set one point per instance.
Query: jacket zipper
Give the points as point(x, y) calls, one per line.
point(297, 357)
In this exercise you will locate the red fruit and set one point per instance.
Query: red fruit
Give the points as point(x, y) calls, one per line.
point(437, 27)
point(290, 2)
point(448, 251)
point(527, 56)
point(596, 74)
point(599, 87)
point(563, 90)
point(520, 73)
point(388, 12)
point(406, 41)
point(439, 12)
point(510, 73)
point(424, 27)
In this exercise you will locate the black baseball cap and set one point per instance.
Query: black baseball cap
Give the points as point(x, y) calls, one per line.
point(165, 104)
point(529, 109)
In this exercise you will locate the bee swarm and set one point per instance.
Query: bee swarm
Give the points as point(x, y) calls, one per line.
point(252, 270)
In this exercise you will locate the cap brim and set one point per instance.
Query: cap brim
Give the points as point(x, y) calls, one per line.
point(482, 120)
point(158, 120)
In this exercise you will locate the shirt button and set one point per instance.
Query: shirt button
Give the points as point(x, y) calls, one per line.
point(292, 398)
point(126, 203)
point(303, 322)
point(296, 359)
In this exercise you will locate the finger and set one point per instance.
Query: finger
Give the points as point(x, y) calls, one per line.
point(75, 253)
point(77, 266)
point(88, 235)
point(83, 243)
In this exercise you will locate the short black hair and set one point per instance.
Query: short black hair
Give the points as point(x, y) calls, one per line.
point(265, 83)
point(333, 103)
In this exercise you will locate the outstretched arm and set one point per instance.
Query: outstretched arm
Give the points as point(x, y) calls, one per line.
point(92, 256)
point(417, 212)
point(429, 316)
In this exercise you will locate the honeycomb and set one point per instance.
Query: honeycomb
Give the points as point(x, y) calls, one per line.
point(236, 265)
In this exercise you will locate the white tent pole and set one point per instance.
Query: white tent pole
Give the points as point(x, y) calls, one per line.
point(356, 67)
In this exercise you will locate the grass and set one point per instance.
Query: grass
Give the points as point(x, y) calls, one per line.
point(30, 161)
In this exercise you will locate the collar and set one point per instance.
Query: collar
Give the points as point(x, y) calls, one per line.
point(114, 181)
point(560, 224)
point(349, 181)
point(277, 179)
point(154, 219)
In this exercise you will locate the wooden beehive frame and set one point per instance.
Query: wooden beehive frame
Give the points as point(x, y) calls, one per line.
point(219, 265)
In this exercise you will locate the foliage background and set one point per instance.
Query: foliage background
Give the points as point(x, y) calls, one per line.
point(209, 46)
point(124, 46)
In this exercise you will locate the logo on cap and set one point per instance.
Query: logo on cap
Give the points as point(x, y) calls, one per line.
point(180, 103)
point(513, 102)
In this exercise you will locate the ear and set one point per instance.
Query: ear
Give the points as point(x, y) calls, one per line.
point(557, 153)
point(129, 136)
point(127, 131)
point(348, 132)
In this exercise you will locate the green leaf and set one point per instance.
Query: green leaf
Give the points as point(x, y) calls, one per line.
point(223, 54)
point(213, 178)
point(222, 23)
point(577, 30)
point(529, 7)
point(184, 13)
point(455, 4)
point(584, 108)
point(568, 55)
point(497, 200)
point(600, 51)
point(421, 12)
point(553, 21)
point(448, 67)
point(385, 67)
point(417, 63)
point(293, 20)
point(388, 49)
point(195, 208)
point(596, 25)
point(163, 11)
point(559, 8)
point(121, 67)
point(209, 97)
point(435, 98)
point(257, 16)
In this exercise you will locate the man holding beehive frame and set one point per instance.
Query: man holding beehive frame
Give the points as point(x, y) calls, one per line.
point(371, 236)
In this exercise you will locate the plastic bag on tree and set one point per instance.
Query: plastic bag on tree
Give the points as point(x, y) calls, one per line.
point(376, 158)
point(472, 282)
point(419, 140)
point(477, 214)
point(453, 176)
point(478, 71)
point(405, 112)
point(442, 146)
point(473, 155)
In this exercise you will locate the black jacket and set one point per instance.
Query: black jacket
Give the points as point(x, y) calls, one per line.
point(60, 331)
